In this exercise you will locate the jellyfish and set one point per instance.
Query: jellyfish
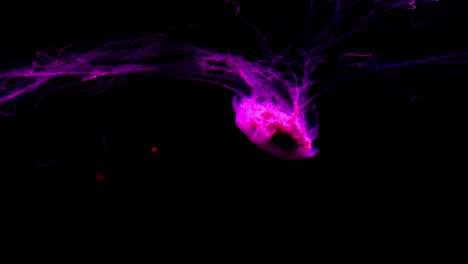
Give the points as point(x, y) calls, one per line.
point(274, 96)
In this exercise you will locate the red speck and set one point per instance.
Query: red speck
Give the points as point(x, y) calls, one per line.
point(268, 115)
point(100, 178)
point(154, 149)
point(253, 124)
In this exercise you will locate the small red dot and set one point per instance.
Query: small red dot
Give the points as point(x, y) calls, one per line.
point(99, 177)
point(154, 149)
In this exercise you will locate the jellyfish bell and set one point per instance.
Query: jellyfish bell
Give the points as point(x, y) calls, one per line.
point(275, 130)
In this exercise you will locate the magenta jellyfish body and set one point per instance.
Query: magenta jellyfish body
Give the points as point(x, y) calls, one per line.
point(273, 114)
point(281, 132)
point(274, 99)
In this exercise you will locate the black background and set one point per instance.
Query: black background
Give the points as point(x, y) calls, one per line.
point(372, 137)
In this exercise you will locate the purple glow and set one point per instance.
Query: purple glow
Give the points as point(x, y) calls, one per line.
point(273, 98)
